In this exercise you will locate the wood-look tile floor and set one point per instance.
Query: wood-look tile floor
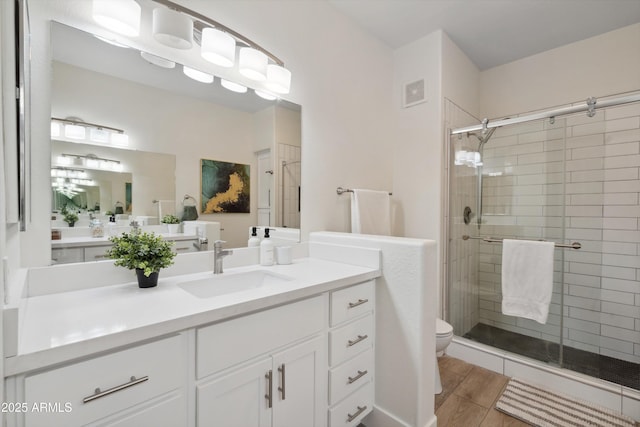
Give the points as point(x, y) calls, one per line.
point(468, 397)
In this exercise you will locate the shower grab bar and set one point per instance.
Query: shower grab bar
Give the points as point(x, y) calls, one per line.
point(341, 190)
point(572, 245)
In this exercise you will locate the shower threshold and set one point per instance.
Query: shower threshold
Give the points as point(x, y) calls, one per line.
point(595, 365)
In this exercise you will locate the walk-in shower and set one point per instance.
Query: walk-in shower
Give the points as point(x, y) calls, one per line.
point(571, 176)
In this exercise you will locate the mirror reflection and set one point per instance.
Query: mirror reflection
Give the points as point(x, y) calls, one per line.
point(172, 124)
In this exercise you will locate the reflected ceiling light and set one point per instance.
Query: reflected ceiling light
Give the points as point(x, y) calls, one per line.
point(278, 78)
point(171, 28)
point(218, 47)
point(90, 161)
point(120, 16)
point(76, 129)
point(265, 95)
point(156, 60)
point(197, 75)
point(55, 129)
point(253, 64)
point(233, 86)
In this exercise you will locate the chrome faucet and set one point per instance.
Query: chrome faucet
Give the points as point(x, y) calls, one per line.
point(218, 255)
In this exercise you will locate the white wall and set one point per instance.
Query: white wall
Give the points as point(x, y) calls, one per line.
point(342, 78)
point(603, 65)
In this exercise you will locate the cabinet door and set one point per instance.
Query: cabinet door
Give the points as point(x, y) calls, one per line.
point(238, 399)
point(300, 385)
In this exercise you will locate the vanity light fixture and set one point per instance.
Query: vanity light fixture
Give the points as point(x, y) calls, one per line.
point(197, 75)
point(76, 129)
point(172, 28)
point(278, 79)
point(233, 86)
point(120, 16)
point(90, 161)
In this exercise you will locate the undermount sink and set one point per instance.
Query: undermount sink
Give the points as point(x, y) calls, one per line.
point(228, 283)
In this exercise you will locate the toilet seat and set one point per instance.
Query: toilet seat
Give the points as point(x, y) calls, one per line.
point(443, 329)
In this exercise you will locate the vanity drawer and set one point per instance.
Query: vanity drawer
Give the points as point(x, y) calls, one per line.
point(95, 253)
point(349, 376)
point(351, 302)
point(353, 409)
point(67, 255)
point(182, 246)
point(225, 344)
point(158, 367)
point(351, 339)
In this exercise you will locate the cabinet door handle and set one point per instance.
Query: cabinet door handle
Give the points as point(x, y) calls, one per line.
point(269, 395)
point(99, 256)
point(282, 381)
point(98, 393)
point(357, 340)
point(357, 377)
point(360, 410)
point(182, 249)
point(357, 303)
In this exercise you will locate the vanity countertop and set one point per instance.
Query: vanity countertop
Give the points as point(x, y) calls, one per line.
point(64, 326)
point(84, 241)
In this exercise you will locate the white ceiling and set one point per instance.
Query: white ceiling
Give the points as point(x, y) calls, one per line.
point(492, 32)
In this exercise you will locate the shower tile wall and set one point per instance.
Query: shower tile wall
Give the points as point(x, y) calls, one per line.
point(525, 189)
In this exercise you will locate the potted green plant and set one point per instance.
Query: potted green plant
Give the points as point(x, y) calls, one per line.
point(172, 221)
point(146, 253)
point(70, 218)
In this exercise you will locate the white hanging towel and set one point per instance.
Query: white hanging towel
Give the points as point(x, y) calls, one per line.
point(527, 278)
point(370, 212)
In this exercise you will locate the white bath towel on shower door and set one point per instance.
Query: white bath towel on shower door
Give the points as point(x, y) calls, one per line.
point(527, 278)
point(370, 212)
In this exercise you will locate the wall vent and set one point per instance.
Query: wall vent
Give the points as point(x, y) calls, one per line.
point(413, 93)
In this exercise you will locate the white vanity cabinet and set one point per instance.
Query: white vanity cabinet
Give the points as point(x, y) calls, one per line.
point(264, 369)
point(351, 361)
point(145, 382)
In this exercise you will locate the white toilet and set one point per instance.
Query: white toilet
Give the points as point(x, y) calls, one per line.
point(444, 335)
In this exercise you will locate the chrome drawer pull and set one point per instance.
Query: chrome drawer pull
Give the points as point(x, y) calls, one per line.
point(359, 302)
point(182, 249)
point(269, 395)
point(357, 377)
point(98, 394)
point(282, 381)
point(356, 341)
point(361, 409)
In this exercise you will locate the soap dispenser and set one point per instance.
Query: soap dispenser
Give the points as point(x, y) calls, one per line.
point(254, 240)
point(266, 249)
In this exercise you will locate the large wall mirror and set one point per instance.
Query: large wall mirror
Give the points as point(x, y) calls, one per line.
point(173, 123)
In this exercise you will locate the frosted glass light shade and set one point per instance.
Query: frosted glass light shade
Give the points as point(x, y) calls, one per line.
point(156, 60)
point(120, 139)
point(278, 79)
point(74, 131)
point(197, 75)
point(99, 135)
point(265, 95)
point(120, 16)
point(253, 64)
point(232, 86)
point(218, 47)
point(55, 129)
point(171, 28)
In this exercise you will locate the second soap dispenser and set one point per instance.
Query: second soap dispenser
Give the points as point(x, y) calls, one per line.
point(266, 249)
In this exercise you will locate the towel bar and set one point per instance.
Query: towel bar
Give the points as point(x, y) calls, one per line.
point(572, 245)
point(341, 190)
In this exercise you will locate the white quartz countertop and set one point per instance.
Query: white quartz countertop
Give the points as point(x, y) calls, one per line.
point(83, 241)
point(61, 327)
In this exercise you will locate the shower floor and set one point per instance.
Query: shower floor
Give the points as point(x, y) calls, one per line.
point(595, 365)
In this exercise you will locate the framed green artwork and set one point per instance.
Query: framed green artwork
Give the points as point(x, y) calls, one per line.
point(224, 187)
